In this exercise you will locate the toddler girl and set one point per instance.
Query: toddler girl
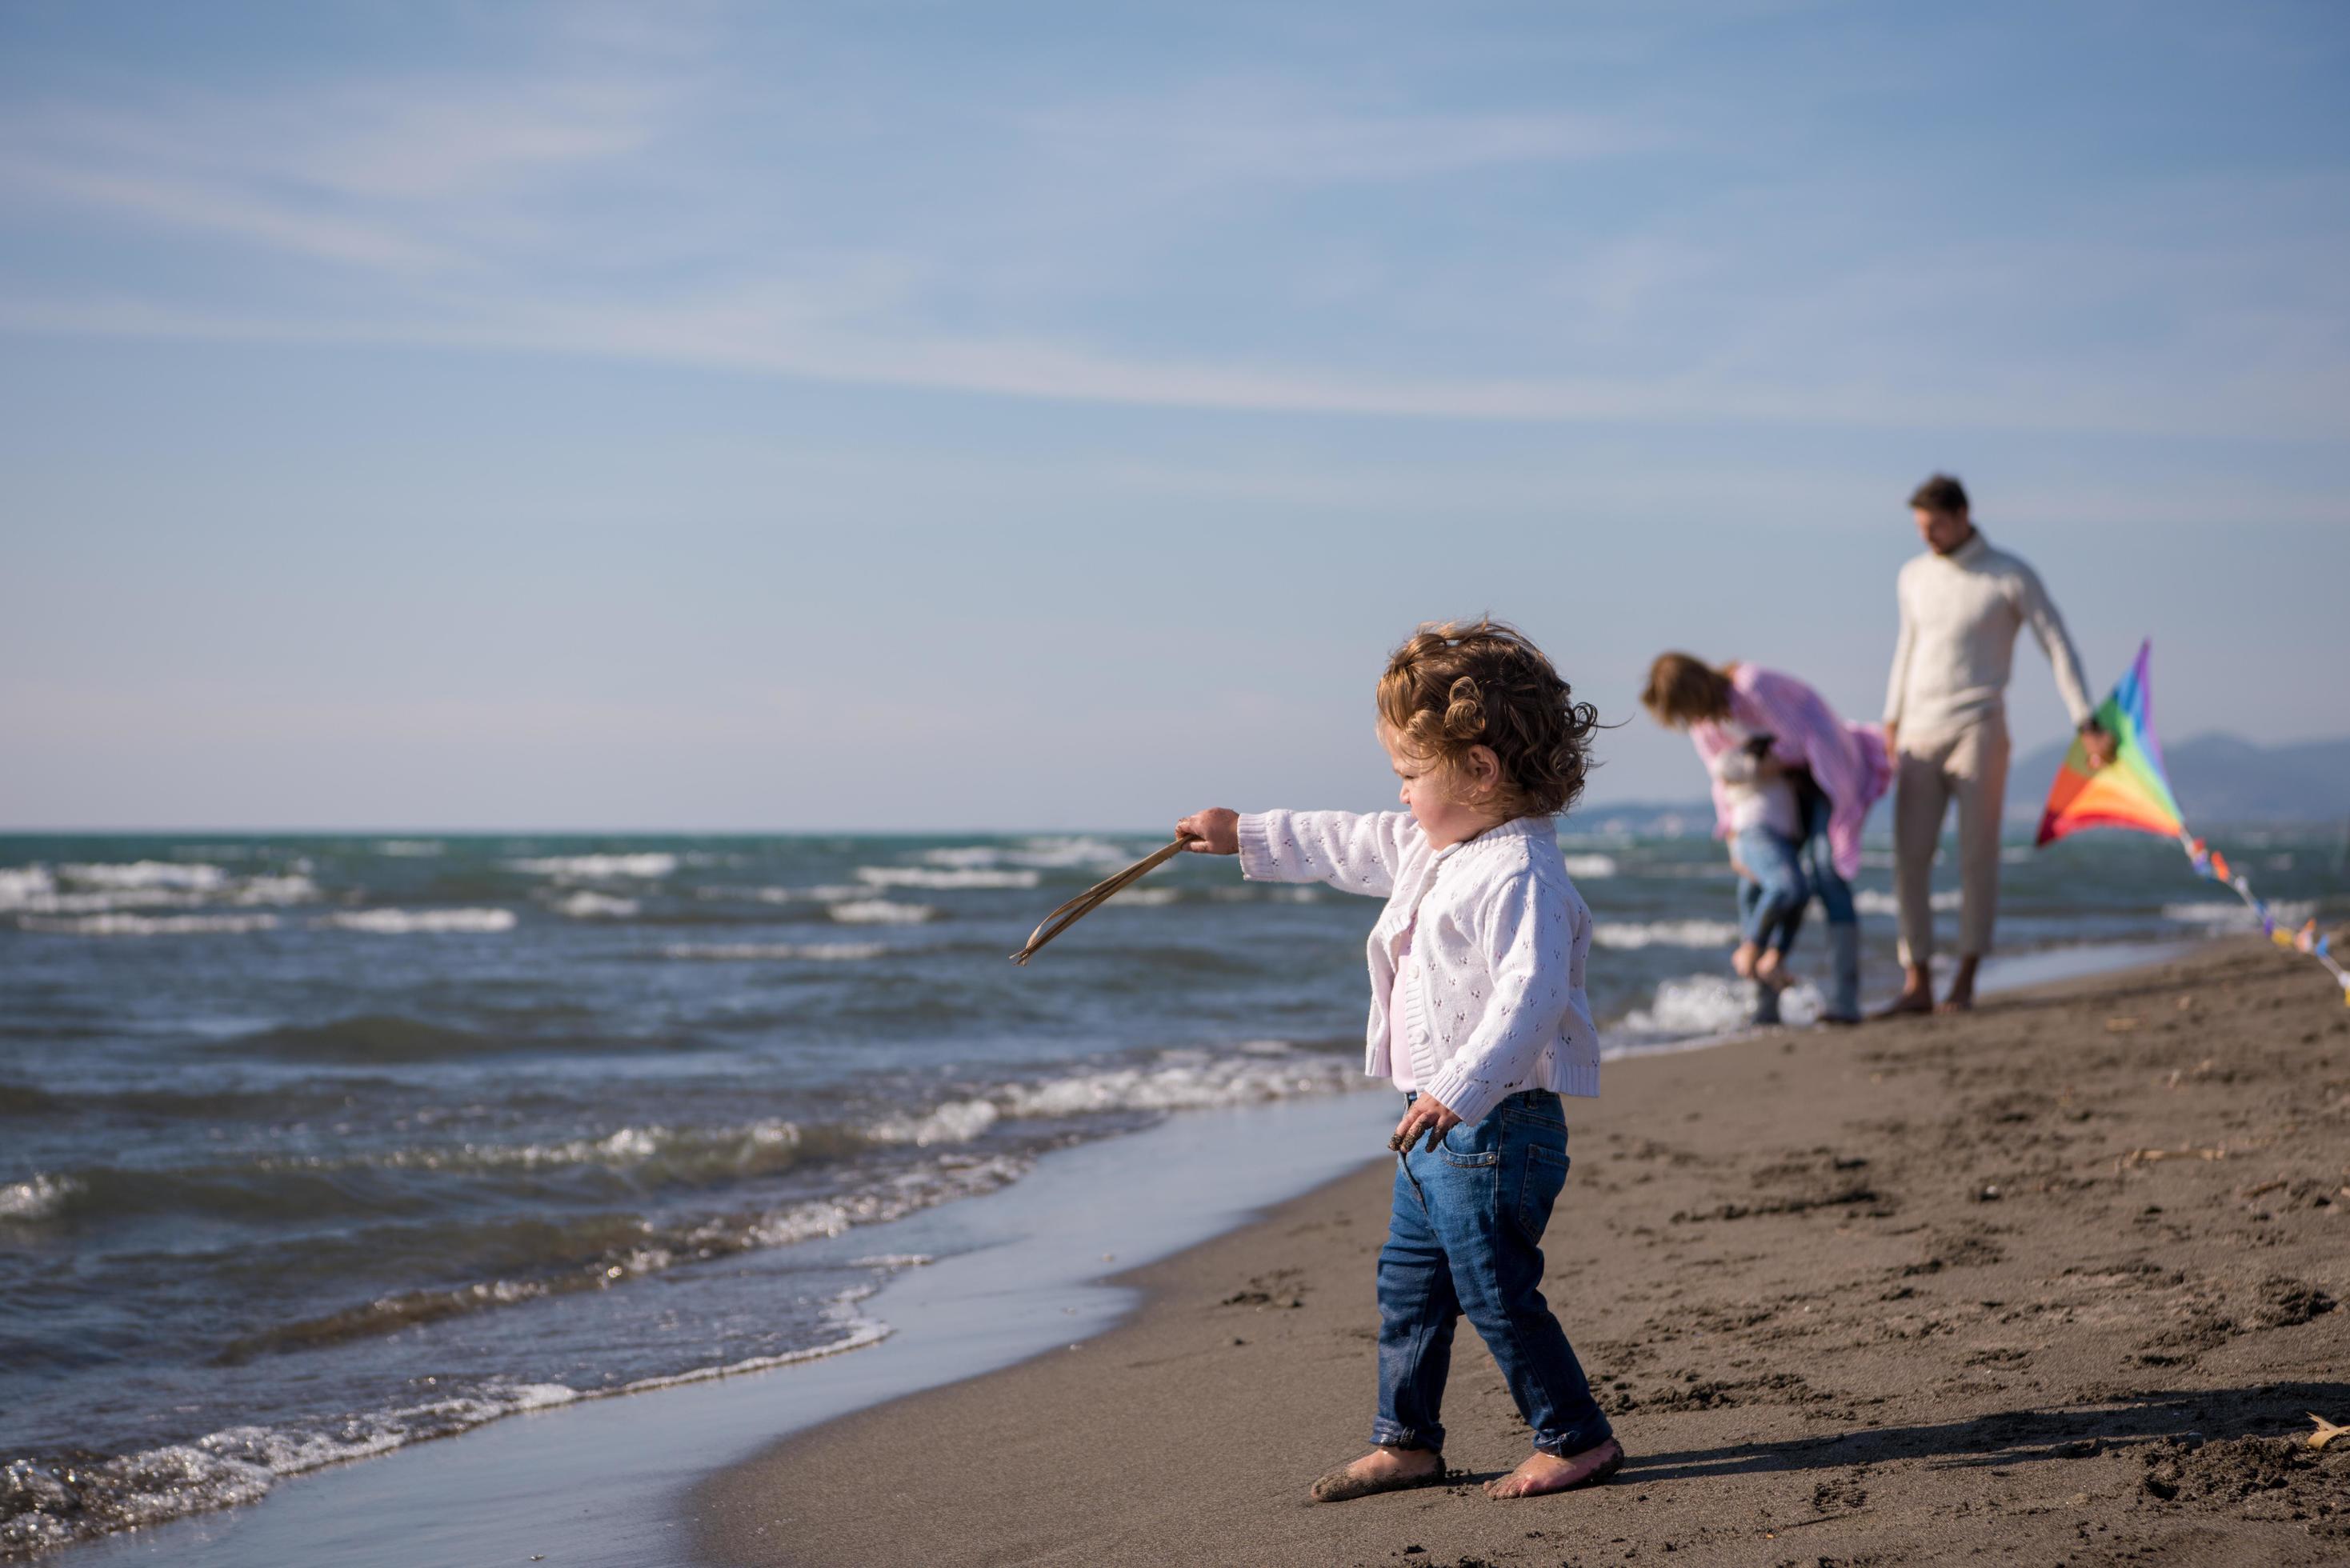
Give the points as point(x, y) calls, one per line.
point(1477, 1016)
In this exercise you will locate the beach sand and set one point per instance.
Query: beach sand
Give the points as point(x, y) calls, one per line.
point(2055, 1282)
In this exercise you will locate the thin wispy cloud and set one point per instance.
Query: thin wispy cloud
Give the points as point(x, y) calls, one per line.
point(1118, 247)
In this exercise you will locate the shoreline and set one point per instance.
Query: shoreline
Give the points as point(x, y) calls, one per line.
point(933, 1351)
point(1906, 1264)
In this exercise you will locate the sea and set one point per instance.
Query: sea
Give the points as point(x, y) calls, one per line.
point(315, 1147)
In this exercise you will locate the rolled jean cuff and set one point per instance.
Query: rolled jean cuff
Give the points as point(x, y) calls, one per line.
point(1387, 1434)
point(1576, 1439)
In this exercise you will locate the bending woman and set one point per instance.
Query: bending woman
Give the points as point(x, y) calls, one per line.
point(1836, 770)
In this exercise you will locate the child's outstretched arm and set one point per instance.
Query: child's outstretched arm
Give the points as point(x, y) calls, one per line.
point(1353, 852)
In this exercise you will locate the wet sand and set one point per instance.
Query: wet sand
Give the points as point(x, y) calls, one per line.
point(2054, 1282)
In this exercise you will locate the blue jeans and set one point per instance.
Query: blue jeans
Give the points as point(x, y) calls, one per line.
point(1819, 865)
point(1771, 895)
point(1466, 1236)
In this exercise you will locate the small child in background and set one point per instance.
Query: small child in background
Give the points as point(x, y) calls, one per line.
point(1479, 1017)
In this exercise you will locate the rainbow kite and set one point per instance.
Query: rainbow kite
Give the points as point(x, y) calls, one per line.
point(2132, 790)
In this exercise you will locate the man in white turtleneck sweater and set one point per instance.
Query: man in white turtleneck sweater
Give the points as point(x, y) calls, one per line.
point(1962, 602)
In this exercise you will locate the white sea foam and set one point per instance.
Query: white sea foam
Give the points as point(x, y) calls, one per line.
point(240, 1464)
point(765, 953)
point(36, 1198)
point(195, 876)
point(408, 848)
point(411, 923)
point(945, 877)
point(148, 925)
point(893, 1260)
point(647, 866)
point(1148, 897)
point(584, 905)
point(295, 887)
point(858, 1332)
point(1181, 1081)
point(957, 1121)
point(1073, 853)
point(1870, 901)
point(1700, 1005)
point(1664, 933)
point(87, 889)
point(21, 884)
point(880, 912)
point(2229, 915)
point(1590, 868)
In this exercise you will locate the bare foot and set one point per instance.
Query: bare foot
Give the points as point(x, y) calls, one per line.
point(1544, 1472)
point(1960, 997)
point(1384, 1469)
point(1742, 960)
point(1770, 967)
point(1916, 994)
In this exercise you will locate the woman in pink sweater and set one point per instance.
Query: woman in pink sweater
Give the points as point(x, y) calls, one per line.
point(1835, 772)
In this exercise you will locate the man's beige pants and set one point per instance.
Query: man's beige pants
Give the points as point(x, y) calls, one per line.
point(1968, 765)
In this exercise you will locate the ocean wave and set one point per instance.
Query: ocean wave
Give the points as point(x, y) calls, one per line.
point(1871, 901)
point(409, 848)
point(764, 952)
point(148, 925)
point(946, 876)
point(39, 1196)
point(409, 922)
point(1590, 868)
point(1664, 933)
point(1183, 1081)
point(364, 1037)
point(191, 876)
point(75, 1499)
point(36, 891)
point(1702, 1004)
point(1077, 852)
point(598, 1253)
point(958, 1121)
point(880, 912)
point(586, 906)
point(646, 865)
point(2232, 915)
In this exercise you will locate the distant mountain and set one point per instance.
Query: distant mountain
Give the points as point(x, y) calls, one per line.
point(2221, 779)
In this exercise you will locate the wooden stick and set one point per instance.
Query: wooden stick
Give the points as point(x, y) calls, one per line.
point(1093, 897)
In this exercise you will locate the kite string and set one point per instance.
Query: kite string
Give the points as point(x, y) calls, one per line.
point(2212, 865)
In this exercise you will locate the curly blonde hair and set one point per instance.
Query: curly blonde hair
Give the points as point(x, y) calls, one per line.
point(1455, 685)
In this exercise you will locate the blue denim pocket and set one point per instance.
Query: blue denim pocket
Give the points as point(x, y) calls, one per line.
point(1545, 1176)
point(1472, 1144)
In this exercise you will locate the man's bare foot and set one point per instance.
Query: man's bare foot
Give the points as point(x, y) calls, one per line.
point(1743, 960)
point(1544, 1472)
point(1960, 998)
point(1916, 994)
point(1384, 1469)
point(1908, 1004)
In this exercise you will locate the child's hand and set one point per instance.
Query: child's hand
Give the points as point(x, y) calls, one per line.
point(1425, 1117)
point(1215, 831)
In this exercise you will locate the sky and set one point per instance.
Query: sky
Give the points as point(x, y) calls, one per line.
point(896, 416)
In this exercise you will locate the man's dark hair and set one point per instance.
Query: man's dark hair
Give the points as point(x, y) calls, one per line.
point(1944, 494)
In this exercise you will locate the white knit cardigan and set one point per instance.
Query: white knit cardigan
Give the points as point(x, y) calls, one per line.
point(1501, 940)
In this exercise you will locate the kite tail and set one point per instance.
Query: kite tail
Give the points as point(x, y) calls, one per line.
point(2212, 865)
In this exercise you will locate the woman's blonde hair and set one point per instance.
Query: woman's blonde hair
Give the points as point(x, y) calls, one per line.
point(1458, 684)
point(1684, 690)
